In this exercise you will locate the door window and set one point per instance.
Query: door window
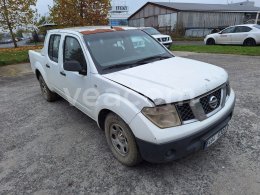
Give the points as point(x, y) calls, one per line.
point(73, 51)
point(53, 50)
point(228, 30)
point(241, 29)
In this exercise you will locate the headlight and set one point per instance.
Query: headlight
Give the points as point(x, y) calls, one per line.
point(162, 116)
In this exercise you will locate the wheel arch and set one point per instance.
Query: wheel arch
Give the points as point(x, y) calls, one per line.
point(249, 38)
point(38, 73)
point(212, 39)
point(125, 109)
point(102, 117)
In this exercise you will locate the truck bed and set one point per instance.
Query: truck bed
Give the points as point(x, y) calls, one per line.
point(37, 59)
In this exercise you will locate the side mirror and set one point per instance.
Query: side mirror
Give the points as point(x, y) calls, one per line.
point(74, 66)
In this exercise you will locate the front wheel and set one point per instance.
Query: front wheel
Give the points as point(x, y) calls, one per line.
point(210, 42)
point(121, 141)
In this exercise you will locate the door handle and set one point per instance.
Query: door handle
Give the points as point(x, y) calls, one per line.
point(63, 73)
point(48, 66)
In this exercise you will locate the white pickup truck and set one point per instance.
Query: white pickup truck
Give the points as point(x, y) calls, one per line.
point(166, 40)
point(151, 104)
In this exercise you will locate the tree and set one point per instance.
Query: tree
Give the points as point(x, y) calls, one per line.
point(14, 13)
point(41, 20)
point(1, 36)
point(80, 12)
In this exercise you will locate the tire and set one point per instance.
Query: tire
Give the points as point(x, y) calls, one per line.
point(121, 141)
point(46, 92)
point(210, 41)
point(249, 42)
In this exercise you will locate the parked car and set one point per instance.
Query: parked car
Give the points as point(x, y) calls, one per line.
point(6, 41)
point(247, 34)
point(166, 40)
point(151, 104)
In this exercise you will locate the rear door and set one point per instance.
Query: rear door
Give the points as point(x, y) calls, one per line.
point(52, 66)
point(225, 36)
point(240, 34)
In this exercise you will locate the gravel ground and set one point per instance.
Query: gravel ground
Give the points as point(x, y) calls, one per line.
point(52, 148)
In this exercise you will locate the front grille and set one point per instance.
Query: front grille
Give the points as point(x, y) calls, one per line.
point(185, 112)
point(205, 101)
point(164, 39)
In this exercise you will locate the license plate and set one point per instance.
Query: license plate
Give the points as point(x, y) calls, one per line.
point(215, 137)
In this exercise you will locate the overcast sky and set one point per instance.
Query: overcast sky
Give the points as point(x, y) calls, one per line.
point(42, 5)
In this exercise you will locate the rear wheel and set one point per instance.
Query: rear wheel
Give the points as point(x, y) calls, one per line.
point(249, 42)
point(210, 41)
point(46, 92)
point(121, 141)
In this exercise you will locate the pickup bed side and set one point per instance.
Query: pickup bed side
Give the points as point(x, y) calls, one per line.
point(37, 60)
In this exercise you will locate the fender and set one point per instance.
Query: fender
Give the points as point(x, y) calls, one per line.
point(38, 66)
point(126, 110)
point(251, 36)
point(117, 104)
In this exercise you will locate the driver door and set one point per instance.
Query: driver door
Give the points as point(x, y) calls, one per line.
point(75, 85)
point(225, 37)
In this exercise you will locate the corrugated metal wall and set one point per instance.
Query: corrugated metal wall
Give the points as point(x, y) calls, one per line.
point(155, 16)
point(209, 20)
point(152, 15)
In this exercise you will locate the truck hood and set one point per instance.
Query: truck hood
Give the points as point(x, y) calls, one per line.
point(160, 36)
point(171, 80)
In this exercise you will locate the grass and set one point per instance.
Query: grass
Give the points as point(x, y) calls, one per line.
point(219, 49)
point(187, 38)
point(20, 55)
point(15, 55)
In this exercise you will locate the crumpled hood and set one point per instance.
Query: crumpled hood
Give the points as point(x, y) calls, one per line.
point(171, 80)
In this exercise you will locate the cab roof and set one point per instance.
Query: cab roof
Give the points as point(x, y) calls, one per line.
point(92, 29)
point(249, 25)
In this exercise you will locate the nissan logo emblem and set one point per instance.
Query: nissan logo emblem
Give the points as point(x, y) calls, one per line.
point(213, 102)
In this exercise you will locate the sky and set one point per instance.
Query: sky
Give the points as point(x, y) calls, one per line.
point(42, 5)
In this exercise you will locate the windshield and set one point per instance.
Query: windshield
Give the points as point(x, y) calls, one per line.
point(151, 31)
point(123, 49)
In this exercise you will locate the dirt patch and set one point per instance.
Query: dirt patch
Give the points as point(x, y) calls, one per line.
point(15, 70)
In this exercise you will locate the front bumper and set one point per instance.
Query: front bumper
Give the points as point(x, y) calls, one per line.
point(176, 142)
point(167, 44)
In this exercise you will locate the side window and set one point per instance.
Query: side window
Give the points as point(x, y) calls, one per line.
point(228, 30)
point(73, 51)
point(53, 50)
point(241, 29)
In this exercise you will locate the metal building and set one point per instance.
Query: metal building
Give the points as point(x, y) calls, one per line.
point(193, 17)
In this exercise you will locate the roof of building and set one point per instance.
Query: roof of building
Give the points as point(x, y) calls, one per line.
point(246, 6)
point(243, 6)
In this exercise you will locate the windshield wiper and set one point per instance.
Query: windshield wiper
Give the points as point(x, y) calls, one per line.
point(152, 58)
point(136, 63)
point(123, 65)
